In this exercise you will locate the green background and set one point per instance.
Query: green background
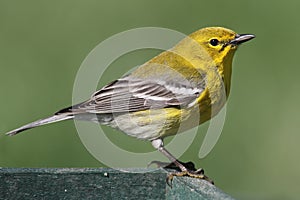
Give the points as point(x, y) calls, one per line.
point(43, 43)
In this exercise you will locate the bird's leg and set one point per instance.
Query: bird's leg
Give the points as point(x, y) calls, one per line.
point(158, 144)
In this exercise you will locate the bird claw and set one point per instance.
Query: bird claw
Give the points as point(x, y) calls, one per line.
point(199, 171)
point(193, 174)
point(190, 171)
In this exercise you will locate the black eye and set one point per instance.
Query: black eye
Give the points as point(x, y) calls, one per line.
point(214, 42)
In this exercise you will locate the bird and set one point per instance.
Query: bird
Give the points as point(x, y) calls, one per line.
point(187, 84)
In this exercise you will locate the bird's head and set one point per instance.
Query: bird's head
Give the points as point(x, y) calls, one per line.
point(220, 43)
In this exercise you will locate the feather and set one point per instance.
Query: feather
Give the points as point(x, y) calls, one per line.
point(133, 94)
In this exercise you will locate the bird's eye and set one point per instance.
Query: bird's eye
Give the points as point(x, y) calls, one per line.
point(214, 42)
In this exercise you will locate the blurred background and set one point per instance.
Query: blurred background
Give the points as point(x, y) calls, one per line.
point(43, 43)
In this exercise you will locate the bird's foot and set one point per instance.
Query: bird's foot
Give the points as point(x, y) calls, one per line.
point(190, 171)
point(193, 174)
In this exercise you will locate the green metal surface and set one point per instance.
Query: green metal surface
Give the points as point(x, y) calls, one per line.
point(100, 183)
point(191, 188)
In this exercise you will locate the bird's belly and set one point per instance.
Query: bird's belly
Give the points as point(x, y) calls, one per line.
point(151, 124)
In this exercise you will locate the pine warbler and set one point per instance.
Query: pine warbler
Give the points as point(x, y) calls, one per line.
point(187, 84)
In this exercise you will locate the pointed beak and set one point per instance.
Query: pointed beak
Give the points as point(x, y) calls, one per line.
point(241, 38)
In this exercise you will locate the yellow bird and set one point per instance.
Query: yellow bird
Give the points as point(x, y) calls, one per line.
point(174, 91)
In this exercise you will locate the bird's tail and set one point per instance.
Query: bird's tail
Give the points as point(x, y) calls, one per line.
point(49, 120)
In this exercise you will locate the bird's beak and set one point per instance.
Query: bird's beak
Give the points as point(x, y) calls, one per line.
point(241, 38)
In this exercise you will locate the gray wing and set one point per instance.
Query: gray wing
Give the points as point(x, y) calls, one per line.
point(132, 94)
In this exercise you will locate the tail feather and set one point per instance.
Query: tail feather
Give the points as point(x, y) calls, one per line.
point(49, 120)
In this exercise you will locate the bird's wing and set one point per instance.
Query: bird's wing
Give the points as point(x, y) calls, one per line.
point(133, 94)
